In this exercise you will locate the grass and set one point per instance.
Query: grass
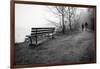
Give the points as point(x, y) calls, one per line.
point(75, 47)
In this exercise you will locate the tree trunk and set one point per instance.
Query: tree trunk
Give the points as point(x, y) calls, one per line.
point(63, 25)
point(70, 25)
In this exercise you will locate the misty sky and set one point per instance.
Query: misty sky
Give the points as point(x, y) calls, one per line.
point(28, 16)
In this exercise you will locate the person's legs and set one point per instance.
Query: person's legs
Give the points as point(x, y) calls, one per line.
point(82, 28)
point(86, 28)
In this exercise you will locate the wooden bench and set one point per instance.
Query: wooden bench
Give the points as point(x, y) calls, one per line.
point(37, 33)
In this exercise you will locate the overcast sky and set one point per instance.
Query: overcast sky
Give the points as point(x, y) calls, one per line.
point(28, 16)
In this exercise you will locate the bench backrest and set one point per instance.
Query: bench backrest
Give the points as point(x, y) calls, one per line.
point(38, 31)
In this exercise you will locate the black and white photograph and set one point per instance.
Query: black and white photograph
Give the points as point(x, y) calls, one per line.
point(54, 34)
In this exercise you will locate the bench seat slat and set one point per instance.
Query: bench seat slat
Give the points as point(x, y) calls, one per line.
point(42, 32)
point(44, 28)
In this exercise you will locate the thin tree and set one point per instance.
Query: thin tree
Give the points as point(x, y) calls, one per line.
point(71, 15)
point(65, 14)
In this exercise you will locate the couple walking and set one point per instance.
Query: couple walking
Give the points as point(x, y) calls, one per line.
point(84, 26)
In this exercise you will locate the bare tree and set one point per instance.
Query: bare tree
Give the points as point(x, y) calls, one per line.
point(71, 15)
point(64, 14)
point(61, 10)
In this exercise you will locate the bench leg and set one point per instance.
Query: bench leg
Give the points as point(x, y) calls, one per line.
point(30, 41)
point(53, 36)
point(36, 39)
point(48, 36)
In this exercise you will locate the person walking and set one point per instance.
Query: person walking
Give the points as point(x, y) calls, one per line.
point(86, 26)
point(82, 27)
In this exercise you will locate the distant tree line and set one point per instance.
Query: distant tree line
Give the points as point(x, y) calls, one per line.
point(68, 19)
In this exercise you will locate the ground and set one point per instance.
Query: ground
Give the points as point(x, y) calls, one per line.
point(64, 48)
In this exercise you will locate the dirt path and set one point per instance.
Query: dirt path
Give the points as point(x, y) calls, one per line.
point(73, 48)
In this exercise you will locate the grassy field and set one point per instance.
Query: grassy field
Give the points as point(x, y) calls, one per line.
point(64, 48)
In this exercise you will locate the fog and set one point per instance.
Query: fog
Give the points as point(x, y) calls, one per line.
point(29, 16)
